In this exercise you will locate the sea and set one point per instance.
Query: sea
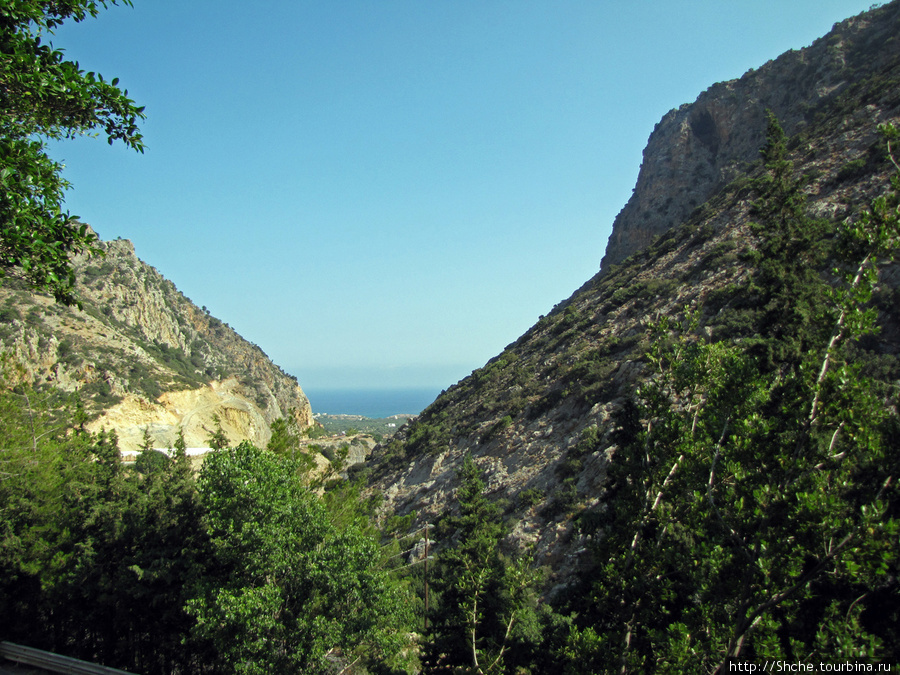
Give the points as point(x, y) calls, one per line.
point(374, 403)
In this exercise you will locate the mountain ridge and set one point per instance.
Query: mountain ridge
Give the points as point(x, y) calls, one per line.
point(539, 418)
point(138, 349)
point(698, 148)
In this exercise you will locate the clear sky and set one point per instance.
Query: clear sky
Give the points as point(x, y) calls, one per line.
point(385, 193)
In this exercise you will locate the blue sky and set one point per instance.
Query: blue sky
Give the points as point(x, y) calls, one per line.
point(385, 193)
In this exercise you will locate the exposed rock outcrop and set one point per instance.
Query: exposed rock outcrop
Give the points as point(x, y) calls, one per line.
point(700, 147)
point(195, 413)
point(145, 356)
point(539, 419)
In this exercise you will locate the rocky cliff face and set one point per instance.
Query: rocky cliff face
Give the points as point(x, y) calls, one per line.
point(698, 148)
point(146, 357)
point(538, 418)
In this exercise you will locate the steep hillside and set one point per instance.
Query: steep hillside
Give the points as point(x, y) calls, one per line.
point(539, 419)
point(698, 148)
point(145, 357)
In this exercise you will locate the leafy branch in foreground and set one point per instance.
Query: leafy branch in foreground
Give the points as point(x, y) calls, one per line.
point(753, 500)
point(45, 96)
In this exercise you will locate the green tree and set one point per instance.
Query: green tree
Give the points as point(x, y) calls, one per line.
point(180, 456)
point(285, 441)
point(217, 439)
point(284, 589)
point(95, 558)
point(752, 499)
point(149, 459)
point(485, 601)
point(44, 96)
point(788, 288)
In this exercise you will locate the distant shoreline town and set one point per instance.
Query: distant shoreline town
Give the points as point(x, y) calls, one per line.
point(377, 426)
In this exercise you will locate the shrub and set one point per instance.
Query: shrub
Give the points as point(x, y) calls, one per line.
point(9, 314)
point(531, 497)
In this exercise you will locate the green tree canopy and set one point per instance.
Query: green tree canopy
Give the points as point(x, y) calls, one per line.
point(44, 96)
point(484, 616)
point(752, 500)
point(95, 558)
point(285, 589)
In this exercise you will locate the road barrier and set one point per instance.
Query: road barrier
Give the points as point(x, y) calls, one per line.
point(55, 663)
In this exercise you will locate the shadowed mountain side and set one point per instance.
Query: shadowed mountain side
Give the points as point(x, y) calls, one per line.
point(538, 419)
point(698, 148)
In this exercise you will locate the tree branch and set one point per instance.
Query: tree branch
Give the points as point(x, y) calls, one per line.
point(836, 336)
point(747, 624)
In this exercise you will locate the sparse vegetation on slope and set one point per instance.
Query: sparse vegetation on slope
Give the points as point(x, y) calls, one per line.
point(137, 338)
point(760, 266)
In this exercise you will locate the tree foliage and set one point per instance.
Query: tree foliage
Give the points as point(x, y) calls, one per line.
point(285, 590)
point(753, 501)
point(147, 569)
point(286, 441)
point(484, 614)
point(94, 558)
point(45, 96)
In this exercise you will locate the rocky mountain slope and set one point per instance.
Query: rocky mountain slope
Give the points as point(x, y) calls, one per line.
point(698, 148)
point(145, 357)
point(538, 418)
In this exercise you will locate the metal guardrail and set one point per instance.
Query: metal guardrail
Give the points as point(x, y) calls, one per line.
point(55, 663)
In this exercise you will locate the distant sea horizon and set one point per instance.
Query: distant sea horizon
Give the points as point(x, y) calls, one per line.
point(374, 403)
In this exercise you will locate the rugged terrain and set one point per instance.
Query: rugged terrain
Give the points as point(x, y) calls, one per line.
point(537, 419)
point(698, 148)
point(144, 357)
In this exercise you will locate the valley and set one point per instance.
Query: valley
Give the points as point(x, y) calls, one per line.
point(690, 464)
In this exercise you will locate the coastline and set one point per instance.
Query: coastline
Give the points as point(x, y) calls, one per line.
point(371, 403)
